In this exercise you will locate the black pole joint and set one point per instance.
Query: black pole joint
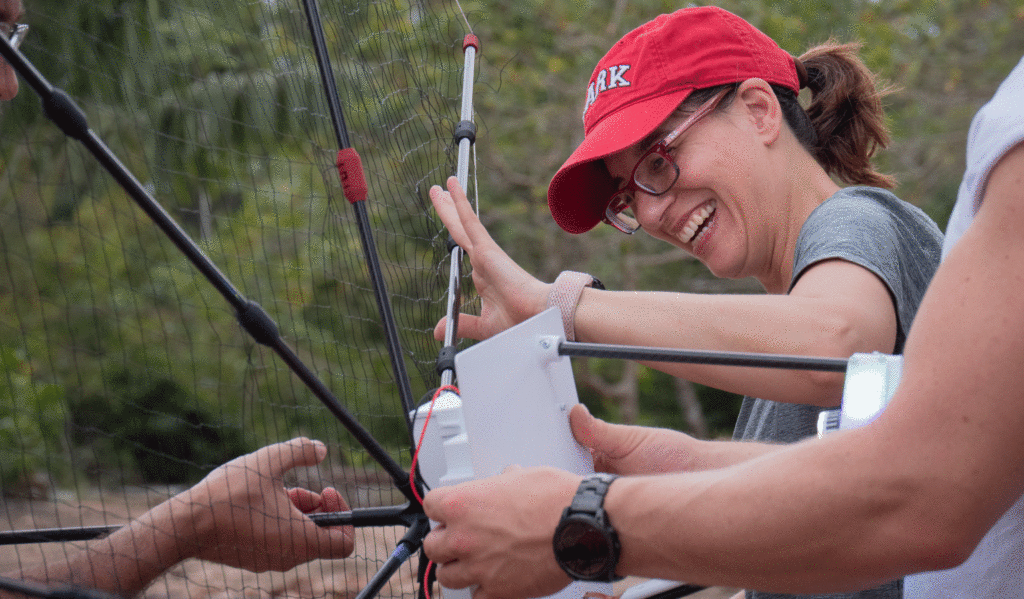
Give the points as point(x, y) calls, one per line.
point(465, 130)
point(255, 320)
point(62, 110)
point(446, 359)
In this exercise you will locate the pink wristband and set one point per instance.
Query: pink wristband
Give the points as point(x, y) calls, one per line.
point(565, 295)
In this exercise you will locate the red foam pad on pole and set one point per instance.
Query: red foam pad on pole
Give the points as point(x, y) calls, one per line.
point(350, 170)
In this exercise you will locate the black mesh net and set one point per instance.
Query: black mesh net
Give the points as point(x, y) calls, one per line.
point(124, 375)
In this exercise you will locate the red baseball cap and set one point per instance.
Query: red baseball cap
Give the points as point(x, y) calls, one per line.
point(641, 80)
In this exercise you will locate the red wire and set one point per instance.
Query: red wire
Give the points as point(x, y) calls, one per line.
point(419, 444)
point(426, 579)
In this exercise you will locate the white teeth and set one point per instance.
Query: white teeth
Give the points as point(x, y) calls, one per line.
point(693, 225)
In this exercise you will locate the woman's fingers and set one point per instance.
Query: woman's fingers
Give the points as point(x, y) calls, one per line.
point(444, 205)
point(474, 229)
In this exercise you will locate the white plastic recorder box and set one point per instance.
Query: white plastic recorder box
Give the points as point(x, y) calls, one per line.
point(515, 393)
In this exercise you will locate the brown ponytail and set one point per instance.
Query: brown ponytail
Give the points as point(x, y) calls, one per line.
point(845, 113)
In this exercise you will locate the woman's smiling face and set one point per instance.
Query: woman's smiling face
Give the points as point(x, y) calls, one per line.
point(716, 210)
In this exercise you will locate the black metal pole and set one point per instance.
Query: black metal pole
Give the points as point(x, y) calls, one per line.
point(406, 515)
point(414, 536)
point(683, 590)
point(691, 356)
point(64, 591)
point(63, 111)
point(392, 341)
point(409, 545)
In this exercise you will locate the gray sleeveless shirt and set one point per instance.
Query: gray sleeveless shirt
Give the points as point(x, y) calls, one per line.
point(900, 244)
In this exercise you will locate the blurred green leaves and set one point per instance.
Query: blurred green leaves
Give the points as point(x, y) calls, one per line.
point(217, 107)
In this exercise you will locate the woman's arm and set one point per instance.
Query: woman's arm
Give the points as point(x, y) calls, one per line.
point(836, 309)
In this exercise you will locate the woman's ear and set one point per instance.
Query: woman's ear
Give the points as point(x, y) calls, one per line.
point(761, 107)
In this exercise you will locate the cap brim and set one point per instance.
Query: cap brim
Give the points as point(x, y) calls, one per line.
point(580, 190)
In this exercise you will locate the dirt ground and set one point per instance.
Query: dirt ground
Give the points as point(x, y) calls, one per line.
point(194, 579)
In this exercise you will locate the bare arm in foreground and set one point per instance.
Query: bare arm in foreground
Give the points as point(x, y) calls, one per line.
point(915, 490)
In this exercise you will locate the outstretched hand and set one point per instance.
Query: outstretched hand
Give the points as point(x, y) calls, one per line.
point(509, 294)
point(240, 515)
point(244, 516)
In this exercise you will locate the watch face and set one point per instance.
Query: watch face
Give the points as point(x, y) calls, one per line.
point(582, 548)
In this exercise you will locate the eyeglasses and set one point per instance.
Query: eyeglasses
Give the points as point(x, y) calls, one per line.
point(14, 32)
point(655, 173)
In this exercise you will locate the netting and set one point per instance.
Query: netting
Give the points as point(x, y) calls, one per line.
point(125, 376)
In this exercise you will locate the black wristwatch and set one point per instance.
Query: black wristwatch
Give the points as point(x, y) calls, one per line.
point(586, 545)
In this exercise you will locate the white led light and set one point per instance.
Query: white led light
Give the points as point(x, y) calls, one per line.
point(871, 380)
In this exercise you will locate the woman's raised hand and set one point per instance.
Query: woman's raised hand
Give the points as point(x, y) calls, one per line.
point(509, 294)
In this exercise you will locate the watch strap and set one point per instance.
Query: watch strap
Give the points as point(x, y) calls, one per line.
point(589, 498)
point(565, 295)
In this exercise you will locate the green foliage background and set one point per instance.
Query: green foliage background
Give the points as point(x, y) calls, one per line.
point(121, 364)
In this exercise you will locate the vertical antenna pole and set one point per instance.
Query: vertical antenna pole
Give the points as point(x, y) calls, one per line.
point(470, 46)
point(465, 134)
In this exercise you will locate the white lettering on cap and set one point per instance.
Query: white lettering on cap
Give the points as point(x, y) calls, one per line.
point(606, 79)
point(615, 74)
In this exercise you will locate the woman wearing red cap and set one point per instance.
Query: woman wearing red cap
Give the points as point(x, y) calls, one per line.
point(693, 132)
